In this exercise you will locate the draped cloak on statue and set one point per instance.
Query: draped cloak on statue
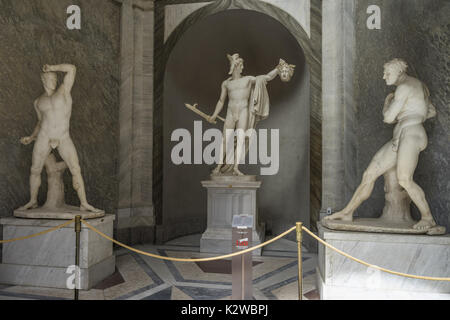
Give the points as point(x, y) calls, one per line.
point(259, 102)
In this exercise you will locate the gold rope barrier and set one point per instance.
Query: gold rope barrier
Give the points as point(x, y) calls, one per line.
point(187, 260)
point(298, 226)
point(40, 233)
point(262, 245)
point(372, 265)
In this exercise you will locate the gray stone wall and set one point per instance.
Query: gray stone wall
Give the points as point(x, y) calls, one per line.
point(417, 31)
point(34, 33)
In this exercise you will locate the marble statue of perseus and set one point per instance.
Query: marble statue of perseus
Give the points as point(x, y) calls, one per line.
point(248, 103)
point(409, 106)
point(53, 109)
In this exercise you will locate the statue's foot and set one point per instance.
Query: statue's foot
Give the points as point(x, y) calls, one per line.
point(216, 171)
point(29, 205)
point(341, 215)
point(88, 207)
point(425, 224)
point(237, 172)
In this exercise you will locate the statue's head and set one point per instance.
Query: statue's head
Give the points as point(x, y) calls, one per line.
point(393, 70)
point(285, 70)
point(49, 80)
point(235, 62)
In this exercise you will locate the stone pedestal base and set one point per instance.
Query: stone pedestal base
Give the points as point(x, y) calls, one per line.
point(380, 225)
point(43, 261)
point(65, 212)
point(341, 278)
point(228, 197)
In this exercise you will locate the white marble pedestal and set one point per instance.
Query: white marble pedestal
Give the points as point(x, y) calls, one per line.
point(42, 261)
point(341, 278)
point(229, 196)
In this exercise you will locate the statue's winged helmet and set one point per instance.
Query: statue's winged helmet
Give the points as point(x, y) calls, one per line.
point(235, 60)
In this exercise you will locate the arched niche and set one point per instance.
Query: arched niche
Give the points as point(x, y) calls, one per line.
point(170, 229)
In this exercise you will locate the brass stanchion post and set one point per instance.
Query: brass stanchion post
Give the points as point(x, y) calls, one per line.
point(77, 254)
point(300, 266)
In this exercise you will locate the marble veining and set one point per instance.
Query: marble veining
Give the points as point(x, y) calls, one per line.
point(429, 257)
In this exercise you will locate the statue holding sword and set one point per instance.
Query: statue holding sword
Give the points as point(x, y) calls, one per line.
point(248, 103)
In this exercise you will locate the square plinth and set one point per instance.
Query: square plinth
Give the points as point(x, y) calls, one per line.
point(44, 261)
point(226, 199)
point(341, 278)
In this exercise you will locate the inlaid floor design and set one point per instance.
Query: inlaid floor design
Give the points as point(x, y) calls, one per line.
point(138, 277)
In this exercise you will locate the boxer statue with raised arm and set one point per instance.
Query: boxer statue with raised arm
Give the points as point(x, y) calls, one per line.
point(54, 108)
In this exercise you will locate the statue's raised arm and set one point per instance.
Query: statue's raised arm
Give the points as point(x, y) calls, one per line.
point(69, 78)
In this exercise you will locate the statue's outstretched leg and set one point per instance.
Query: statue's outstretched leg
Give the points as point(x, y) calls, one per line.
point(69, 154)
point(227, 136)
point(383, 160)
point(408, 157)
point(241, 128)
point(41, 151)
point(216, 171)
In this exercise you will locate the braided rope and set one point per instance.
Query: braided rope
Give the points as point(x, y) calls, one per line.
point(187, 260)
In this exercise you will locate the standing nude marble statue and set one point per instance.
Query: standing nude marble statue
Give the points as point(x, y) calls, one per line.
point(248, 103)
point(54, 108)
point(409, 106)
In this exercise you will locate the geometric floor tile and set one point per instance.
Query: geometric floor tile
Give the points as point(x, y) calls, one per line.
point(165, 294)
point(312, 295)
point(199, 293)
point(113, 280)
point(218, 266)
point(178, 294)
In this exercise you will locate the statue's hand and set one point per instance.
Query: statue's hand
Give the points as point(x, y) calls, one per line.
point(46, 68)
point(26, 140)
point(387, 101)
point(211, 119)
point(389, 98)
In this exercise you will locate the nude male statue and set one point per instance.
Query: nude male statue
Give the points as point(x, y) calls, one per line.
point(238, 88)
point(409, 107)
point(54, 108)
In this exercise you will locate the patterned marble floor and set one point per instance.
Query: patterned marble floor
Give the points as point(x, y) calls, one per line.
point(139, 277)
